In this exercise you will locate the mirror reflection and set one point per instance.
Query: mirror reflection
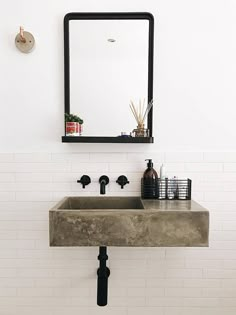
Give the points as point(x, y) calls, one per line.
point(108, 69)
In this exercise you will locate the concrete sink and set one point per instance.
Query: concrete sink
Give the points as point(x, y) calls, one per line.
point(127, 221)
point(102, 203)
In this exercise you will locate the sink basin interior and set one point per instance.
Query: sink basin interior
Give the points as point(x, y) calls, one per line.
point(86, 203)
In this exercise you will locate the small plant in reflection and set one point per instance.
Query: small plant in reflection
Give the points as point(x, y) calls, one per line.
point(73, 125)
point(73, 118)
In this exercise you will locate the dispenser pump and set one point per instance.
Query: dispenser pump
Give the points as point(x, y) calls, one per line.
point(149, 164)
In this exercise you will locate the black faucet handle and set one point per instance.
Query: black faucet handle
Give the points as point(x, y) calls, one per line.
point(122, 181)
point(84, 180)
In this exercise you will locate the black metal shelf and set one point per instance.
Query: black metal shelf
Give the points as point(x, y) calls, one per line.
point(108, 139)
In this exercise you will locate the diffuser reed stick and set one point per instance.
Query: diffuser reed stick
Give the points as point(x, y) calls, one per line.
point(149, 106)
point(139, 111)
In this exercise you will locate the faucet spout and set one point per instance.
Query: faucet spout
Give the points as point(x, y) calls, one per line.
point(103, 180)
point(102, 187)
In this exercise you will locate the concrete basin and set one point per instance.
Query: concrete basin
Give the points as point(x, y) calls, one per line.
point(128, 221)
point(104, 203)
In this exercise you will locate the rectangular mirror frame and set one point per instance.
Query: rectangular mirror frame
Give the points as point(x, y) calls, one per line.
point(109, 16)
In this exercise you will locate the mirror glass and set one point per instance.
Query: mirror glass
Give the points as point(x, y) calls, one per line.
point(108, 68)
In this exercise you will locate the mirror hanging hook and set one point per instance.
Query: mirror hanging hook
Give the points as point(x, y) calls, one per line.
point(22, 37)
point(24, 41)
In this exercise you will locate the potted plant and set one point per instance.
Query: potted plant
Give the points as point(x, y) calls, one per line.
point(73, 125)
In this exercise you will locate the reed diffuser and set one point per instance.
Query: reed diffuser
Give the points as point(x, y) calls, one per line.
point(140, 113)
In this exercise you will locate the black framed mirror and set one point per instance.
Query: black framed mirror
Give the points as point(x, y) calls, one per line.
point(108, 61)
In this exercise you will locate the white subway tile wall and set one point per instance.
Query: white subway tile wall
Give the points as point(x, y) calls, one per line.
point(36, 279)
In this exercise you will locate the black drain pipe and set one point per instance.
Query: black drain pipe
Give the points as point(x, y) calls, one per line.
point(103, 273)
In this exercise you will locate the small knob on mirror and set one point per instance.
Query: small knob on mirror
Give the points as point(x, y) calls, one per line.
point(84, 180)
point(122, 181)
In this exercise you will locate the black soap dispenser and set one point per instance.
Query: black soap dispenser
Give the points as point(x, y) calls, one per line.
point(149, 182)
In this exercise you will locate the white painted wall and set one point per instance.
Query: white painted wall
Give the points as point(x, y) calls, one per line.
point(194, 136)
point(194, 73)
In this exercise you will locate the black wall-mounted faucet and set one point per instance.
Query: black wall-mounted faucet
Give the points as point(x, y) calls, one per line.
point(84, 180)
point(122, 181)
point(103, 180)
